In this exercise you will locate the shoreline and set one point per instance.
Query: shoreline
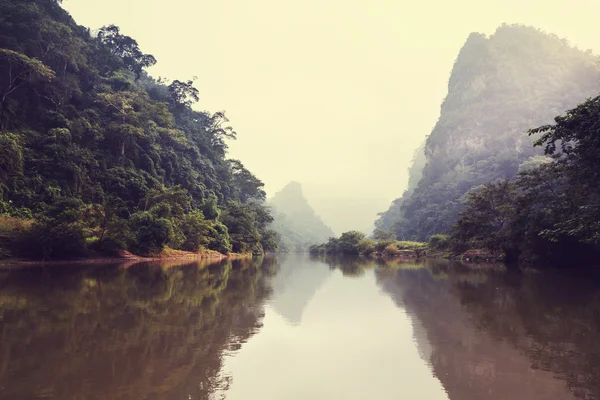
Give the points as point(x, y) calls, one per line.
point(123, 258)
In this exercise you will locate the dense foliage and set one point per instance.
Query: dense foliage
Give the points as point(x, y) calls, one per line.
point(356, 243)
point(551, 210)
point(499, 87)
point(102, 156)
point(295, 221)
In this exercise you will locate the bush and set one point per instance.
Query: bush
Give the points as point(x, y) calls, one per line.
point(151, 234)
point(391, 250)
point(382, 245)
point(220, 240)
point(366, 246)
point(59, 233)
point(196, 231)
point(48, 239)
point(11, 227)
point(405, 245)
point(439, 242)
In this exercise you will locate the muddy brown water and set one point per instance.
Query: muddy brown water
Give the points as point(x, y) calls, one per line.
point(296, 327)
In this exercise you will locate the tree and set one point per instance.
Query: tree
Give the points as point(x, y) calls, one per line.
point(125, 48)
point(184, 94)
point(242, 227)
point(384, 235)
point(487, 218)
point(574, 143)
point(349, 242)
point(18, 70)
point(247, 186)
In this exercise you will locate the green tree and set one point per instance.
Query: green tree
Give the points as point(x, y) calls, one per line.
point(126, 48)
point(574, 142)
point(487, 220)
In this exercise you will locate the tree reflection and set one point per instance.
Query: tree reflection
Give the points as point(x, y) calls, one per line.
point(500, 334)
point(148, 331)
point(553, 318)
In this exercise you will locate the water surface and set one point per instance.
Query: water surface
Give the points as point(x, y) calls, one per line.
point(295, 327)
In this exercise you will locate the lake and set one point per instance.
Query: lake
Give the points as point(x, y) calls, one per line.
point(297, 327)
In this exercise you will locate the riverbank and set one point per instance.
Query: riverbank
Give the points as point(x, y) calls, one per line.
point(469, 256)
point(438, 247)
point(124, 257)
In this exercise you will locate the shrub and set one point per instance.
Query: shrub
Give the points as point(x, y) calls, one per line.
point(220, 239)
point(391, 250)
point(382, 245)
point(151, 234)
point(59, 233)
point(12, 226)
point(48, 239)
point(196, 231)
point(439, 242)
point(405, 245)
point(366, 246)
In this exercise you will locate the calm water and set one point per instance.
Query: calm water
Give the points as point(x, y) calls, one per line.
point(298, 328)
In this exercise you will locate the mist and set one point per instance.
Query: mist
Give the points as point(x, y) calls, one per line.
point(336, 95)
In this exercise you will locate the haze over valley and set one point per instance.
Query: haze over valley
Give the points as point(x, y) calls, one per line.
point(335, 95)
point(299, 200)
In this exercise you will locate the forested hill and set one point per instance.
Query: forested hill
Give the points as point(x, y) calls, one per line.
point(500, 86)
point(296, 223)
point(96, 154)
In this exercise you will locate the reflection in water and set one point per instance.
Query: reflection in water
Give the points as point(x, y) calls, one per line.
point(352, 343)
point(471, 363)
point(298, 328)
point(142, 332)
point(295, 284)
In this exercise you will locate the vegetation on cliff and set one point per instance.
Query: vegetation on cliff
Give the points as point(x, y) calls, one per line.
point(551, 210)
point(500, 87)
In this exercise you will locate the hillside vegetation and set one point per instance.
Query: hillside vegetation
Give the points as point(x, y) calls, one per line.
point(500, 87)
point(98, 155)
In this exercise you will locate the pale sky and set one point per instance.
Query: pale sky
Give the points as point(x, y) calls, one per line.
point(335, 94)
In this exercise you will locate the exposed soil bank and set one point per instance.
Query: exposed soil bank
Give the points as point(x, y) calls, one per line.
point(124, 257)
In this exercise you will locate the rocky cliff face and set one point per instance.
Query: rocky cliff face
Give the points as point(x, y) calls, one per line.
point(500, 86)
point(389, 219)
point(295, 221)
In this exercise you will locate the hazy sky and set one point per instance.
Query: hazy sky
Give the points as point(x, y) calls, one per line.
point(335, 94)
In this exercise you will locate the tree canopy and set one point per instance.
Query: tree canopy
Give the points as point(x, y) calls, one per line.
point(85, 129)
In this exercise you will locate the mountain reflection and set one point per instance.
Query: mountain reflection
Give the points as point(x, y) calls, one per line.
point(166, 331)
point(500, 335)
point(496, 334)
point(296, 282)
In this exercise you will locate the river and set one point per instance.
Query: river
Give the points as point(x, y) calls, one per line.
point(296, 327)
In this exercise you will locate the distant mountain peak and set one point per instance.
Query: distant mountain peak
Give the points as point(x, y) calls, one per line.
point(293, 186)
point(295, 220)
